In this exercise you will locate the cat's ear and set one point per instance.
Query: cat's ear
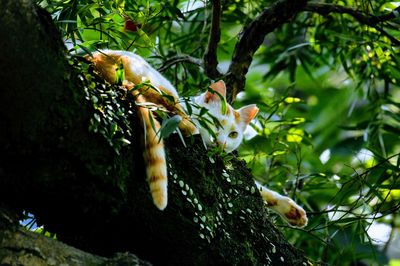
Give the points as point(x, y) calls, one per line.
point(247, 113)
point(218, 87)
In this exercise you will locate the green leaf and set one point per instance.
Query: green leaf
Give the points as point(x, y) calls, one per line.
point(223, 100)
point(203, 111)
point(169, 125)
point(188, 107)
point(119, 74)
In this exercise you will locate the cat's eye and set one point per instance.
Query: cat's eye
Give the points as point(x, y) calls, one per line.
point(233, 134)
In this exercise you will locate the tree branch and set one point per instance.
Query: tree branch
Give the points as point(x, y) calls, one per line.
point(21, 247)
point(366, 19)
point(391, 15)
point(251, 38)
point(210, 56)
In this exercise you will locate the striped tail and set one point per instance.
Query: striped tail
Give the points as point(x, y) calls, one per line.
point(154, 156)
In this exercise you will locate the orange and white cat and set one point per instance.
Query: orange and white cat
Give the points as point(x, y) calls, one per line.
point(228, 135)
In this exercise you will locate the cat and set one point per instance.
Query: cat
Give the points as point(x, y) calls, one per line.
point(228, 135)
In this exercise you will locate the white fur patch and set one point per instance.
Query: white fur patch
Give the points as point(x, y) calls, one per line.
point(141, 68)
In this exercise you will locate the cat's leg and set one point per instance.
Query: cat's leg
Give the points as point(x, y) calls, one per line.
point(289, 210)
point(106, 65)
point(172, 104)
point(168, 101)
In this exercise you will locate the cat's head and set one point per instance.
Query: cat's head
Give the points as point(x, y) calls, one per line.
point(233, 123)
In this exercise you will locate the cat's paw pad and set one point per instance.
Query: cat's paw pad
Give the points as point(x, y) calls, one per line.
point(296, 216)
point(291, 212)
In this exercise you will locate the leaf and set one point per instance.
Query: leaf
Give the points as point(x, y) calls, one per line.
point(145, 38)
point(347, 220)
point(295, 135)
point(398, 161)
point(292, 69)
point(119, 74)
point(216, 121)
point(223, 100)
point(203, 111)
point(179, 13)
point(188, 108)
point(303, 62)
point(169, 125)
point(178, 131)
point(275, 69)
point(345, 64)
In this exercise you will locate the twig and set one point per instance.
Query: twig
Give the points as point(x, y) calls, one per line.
point(210, 56)
point(371, 20)
point(251, 38)
point(181, 59)
point(366, 19)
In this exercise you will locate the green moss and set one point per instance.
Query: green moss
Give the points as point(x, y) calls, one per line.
point(106, 115)
point(111, 108)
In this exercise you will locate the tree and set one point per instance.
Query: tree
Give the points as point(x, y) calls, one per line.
point(87, 186)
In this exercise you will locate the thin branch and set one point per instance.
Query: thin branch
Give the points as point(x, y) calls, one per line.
point(363, 18)
point(371, 20)
point(252, 37)
point(389, 16)
point(181, 59)
point(210, 56)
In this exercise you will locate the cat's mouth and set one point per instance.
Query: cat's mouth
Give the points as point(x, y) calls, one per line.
point(222, 147)
point(216, 147)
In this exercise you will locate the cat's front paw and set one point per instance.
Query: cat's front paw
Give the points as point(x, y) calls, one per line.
point(294, 214)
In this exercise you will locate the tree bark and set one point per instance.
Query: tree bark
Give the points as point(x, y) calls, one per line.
point(251, 38)
point(21, 247)
point(90, 190)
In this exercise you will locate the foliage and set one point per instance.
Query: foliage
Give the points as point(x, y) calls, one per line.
point(110, 118)
point(328, 88)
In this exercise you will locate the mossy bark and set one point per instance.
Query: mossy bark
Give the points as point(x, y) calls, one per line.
point(92, 193)
point(21, 247)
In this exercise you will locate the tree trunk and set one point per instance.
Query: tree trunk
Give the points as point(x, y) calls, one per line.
point(65, 162)
point(21, 247)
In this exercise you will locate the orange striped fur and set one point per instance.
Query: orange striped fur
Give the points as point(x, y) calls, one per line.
point(137, 70)
point(154, 156)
